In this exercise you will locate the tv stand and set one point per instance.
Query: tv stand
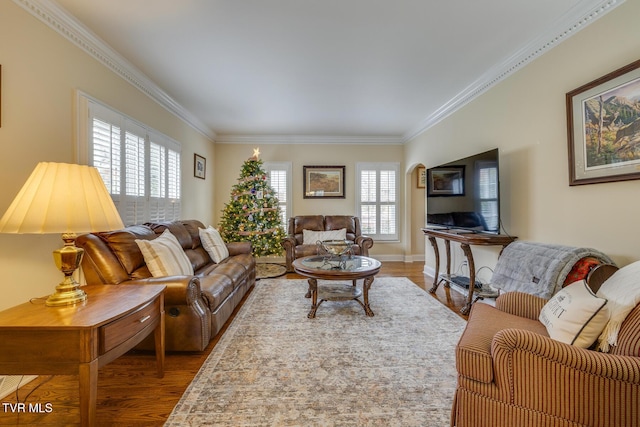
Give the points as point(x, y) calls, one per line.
point(466, 240)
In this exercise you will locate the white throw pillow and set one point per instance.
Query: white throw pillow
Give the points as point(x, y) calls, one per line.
point(622, 290)
point(164, 256)
point(311, 237)
point(214, 245)
point(575, 315)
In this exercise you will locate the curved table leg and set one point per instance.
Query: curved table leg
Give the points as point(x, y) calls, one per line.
point(436, 273)
point(365, 295)
point(313, 291)
point(472, 278)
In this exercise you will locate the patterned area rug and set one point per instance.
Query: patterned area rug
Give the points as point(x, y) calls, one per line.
point(275, 367)
point(265, 270)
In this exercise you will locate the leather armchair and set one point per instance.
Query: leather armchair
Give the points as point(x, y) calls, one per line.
point(295, 248)
point(510, 373)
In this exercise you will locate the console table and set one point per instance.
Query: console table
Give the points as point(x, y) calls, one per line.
point(79, 339)
point(466, 239)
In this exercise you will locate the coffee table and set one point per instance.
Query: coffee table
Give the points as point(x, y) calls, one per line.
point(345, 267)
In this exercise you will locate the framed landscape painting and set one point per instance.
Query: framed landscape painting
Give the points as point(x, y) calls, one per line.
point(603, 126)
point(324, 182)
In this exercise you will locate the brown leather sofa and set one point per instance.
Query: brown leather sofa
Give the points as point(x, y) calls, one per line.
point(196, 307)
point(510, 373)
point(293, 243)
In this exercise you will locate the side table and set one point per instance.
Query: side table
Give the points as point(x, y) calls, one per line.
point(80, 339)
point(466, 240)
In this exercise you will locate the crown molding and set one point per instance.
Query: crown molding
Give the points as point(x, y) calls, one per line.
point(573, 21)
point(308, 139)
point(62, 22)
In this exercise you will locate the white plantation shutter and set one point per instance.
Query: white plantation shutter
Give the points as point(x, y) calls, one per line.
point(279, 178)
point(140, 166)
point(377, 199)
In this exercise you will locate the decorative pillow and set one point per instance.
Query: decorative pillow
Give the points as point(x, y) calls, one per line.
point(311, 237)
point(622, 290)
point(164, 256)
point(214, 245)
point(575, 315)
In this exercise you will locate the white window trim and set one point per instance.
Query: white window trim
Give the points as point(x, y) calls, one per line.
point(288, 167)
point(378, 166)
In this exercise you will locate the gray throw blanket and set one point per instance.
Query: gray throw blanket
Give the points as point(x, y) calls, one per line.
point(538, 268)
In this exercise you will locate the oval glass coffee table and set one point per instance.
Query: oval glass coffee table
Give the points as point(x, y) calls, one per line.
point(346, 267)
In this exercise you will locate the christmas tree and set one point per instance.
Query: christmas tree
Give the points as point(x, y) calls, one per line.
point(253, 214)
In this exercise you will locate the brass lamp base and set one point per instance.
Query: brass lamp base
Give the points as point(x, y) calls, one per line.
point(67, 259)
point(67, 297)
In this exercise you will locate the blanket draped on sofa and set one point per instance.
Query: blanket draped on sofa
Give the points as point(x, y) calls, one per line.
point(538, 268)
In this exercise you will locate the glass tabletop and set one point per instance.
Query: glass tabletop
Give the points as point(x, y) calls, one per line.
point(351, 263)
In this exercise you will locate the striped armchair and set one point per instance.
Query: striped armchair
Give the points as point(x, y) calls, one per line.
point(510, 373)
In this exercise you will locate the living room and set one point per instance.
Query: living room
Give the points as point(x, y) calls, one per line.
point(524, 115)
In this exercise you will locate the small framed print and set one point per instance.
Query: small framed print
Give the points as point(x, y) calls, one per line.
point(199, 166)
point(422, 177)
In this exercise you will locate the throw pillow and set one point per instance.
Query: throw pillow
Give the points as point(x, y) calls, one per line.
point(164, 256)
point(212, 243)
point(311, 237)
point(575, 315)
point(622, 290)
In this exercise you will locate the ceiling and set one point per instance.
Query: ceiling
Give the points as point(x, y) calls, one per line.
point(349, 68)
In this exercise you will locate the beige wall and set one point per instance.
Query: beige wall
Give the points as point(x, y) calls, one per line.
point(41, 71)
point(525, 117)
point(230, 157)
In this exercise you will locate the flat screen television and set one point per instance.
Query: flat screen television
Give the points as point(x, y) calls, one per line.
point(465, 194)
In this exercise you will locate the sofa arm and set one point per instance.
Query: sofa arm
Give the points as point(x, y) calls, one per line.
point(542, 374)
point(365, 243)
point(521, 304)
point(180, 290)
point(237, 248)
point(289, 244)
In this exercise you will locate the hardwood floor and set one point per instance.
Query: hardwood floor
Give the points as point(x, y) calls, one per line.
point(129, 393)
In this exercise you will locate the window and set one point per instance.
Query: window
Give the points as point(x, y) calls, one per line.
point(279, 177)
point(139, 166)
point(377, 189)
point(487, 180)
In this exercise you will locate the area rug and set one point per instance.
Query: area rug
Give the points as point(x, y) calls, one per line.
point(275, 367)
point(266, 270)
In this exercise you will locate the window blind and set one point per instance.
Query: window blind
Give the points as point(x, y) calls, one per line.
point(377, 200)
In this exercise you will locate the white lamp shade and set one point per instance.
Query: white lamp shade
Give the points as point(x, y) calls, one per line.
point(61, 198)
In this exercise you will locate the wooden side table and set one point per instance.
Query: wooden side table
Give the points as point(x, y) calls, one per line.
point(80, 339)
point(466, 240)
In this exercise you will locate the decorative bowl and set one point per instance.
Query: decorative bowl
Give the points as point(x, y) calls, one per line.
point(336, 247)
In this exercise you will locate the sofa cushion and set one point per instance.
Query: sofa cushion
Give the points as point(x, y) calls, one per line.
point(575, 315)
point(123, 244)
point(473, 352)
point(311, 237)
point(164, 256)
point(213, 244)
point(629, 336)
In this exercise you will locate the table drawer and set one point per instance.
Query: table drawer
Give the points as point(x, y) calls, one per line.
point(120, 330)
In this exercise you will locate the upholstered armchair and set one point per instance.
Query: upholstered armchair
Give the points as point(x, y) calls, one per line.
point(295, 246)
point(510, 373)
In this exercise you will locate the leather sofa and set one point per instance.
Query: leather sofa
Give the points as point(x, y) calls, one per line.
point(510, 373)
point(294, 243)
point(196, 307)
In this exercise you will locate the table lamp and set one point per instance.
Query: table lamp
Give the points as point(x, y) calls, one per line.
point(68, 199)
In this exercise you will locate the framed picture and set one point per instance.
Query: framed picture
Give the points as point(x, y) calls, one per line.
point(422, 177)
point(199, 166)
point(324, 182)
point(603, 126)
point(445, 181)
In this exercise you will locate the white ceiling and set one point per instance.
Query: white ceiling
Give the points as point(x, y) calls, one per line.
point(354, 68)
